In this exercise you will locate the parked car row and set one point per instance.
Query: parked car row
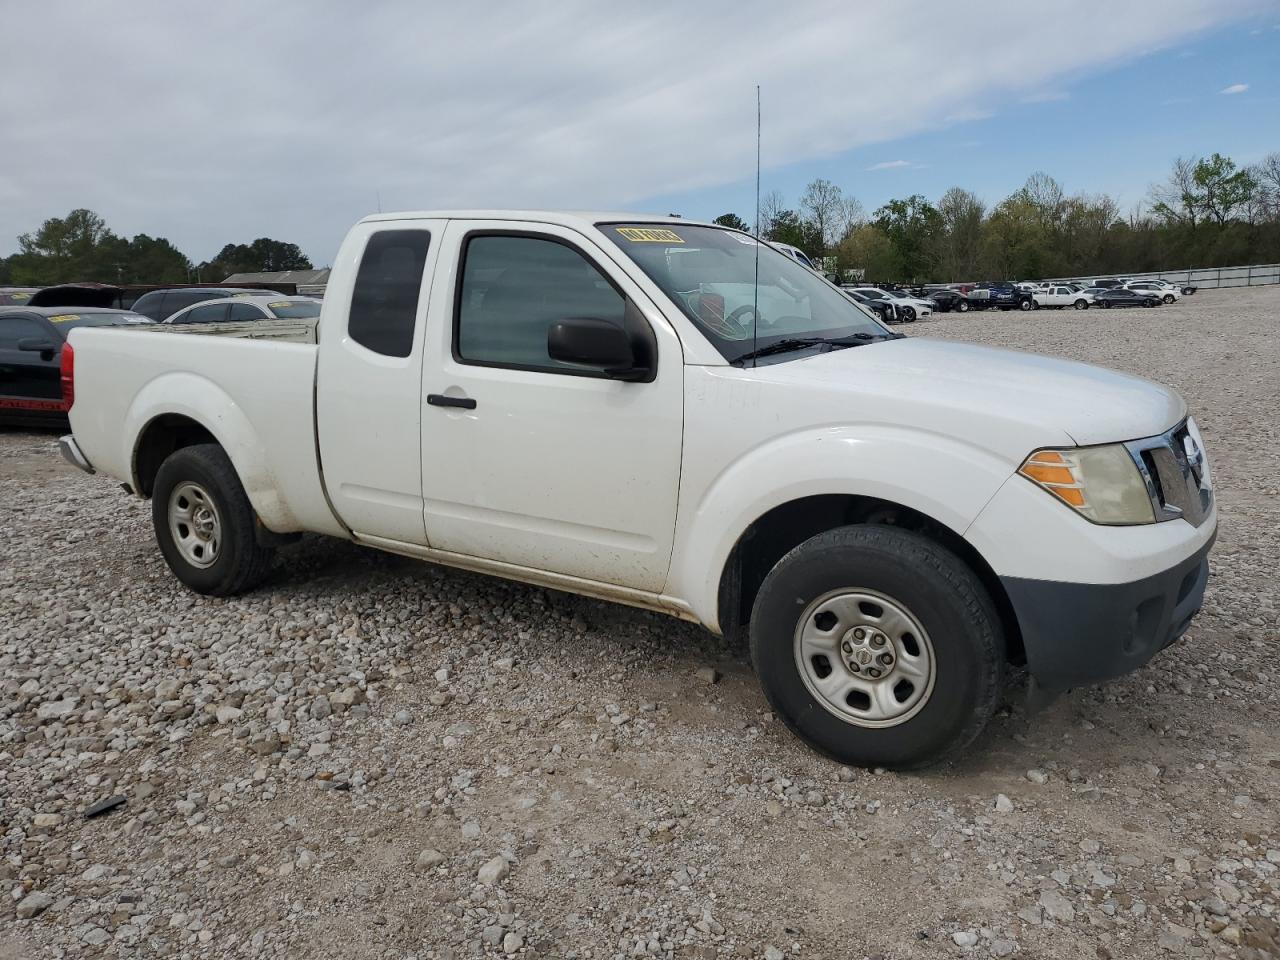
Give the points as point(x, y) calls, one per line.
point(33, 339)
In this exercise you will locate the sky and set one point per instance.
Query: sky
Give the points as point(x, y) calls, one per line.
point(217, 123)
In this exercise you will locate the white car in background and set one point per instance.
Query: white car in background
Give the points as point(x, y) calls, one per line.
point(796, 254)
point(910, 308)
point(1063, 295)
point(246, 308)
point(1166, 291)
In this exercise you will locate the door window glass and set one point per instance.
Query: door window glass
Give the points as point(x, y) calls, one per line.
point(514, 288)
point(13, 329)
point(208, 313)
point(245, 311)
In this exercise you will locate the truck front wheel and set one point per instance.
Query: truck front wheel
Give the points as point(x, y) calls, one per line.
point(878, 647)
point(204, 523)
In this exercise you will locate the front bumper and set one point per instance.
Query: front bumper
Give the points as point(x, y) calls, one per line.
point(1083, 633)
point(71, 453)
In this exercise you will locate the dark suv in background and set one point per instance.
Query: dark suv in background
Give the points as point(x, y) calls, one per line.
point(161, 304)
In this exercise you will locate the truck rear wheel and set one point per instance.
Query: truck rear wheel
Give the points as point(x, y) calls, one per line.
point(878, 647)
point(204, 523)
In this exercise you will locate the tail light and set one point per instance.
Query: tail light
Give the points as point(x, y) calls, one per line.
point(67, 367)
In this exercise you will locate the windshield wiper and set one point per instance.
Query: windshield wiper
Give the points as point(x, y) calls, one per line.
point(787, 344)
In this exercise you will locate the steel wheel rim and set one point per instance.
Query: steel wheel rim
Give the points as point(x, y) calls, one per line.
point(195, 524)
point(865, 658)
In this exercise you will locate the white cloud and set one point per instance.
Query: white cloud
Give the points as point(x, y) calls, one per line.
point(288, 119)
point(889, 165)
point(1235, 88)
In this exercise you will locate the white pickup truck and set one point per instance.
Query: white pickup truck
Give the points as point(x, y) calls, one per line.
point(639, 410)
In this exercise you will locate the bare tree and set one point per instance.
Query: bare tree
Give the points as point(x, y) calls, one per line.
point(771, 205)
point(1266, 174)
point(824, 204)
point(1045, 194)
point(1175, 200)
point(852, 216)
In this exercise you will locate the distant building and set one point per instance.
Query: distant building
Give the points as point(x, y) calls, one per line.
point(308, 282)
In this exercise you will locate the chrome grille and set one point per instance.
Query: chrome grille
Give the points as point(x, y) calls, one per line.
point(1176, 473)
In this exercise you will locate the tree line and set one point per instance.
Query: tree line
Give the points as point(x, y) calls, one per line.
point(80, 246)
point(1208, 213)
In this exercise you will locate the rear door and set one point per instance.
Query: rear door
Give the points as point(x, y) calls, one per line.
point(530, 461)
point(369, 377)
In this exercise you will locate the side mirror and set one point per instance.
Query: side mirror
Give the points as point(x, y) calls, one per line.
point(595, 343)
point(36, 345)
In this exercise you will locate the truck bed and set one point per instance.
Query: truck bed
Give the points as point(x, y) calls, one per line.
point(286, 331)
point(250, 384)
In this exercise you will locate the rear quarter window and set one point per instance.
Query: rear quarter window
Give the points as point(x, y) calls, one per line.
point(384, 300)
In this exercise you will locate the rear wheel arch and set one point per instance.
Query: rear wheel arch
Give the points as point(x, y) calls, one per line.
point(783, 528)
point(162, 436)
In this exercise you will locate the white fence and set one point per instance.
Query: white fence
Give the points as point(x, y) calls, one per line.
point(1207, 278)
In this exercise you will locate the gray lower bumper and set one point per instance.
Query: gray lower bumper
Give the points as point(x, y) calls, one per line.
point(1077, 633)
point(71, 452)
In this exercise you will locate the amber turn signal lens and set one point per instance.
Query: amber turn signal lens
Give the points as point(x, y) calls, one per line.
point(1055, 473)
point(1045, 474)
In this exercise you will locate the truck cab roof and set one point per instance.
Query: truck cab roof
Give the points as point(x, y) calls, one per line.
point(568, 218)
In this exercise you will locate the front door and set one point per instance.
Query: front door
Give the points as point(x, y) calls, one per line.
point(29, 379)
point(535, 462)
point(369, 378)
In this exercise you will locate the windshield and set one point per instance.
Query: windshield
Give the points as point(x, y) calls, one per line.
point(294, 309)
point(710, 273)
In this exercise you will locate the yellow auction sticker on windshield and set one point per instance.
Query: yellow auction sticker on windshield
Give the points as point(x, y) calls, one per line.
point(64, 317)
point(280, 303)
point(650, 235)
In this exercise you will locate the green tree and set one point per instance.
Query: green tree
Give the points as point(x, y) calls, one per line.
point(911, 226)
point(1222, 188)
point(74, 247)
point(80, 247)
point(1013, 245)
point(789, 227)
point(264, 255)
point(958, 241)
point(732, 221)
point(155, 260)
point(869, 250)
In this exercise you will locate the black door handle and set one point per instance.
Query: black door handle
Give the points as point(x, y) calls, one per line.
point(440, 400)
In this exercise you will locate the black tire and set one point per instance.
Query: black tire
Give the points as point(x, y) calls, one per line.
point(1169, 298)
point(908, 315)
point(1026, 304)
point(948, 601)
point(963, 306)
point(1082, 304)
point(1106, 304)
point(1149, 303)
point(241, 562)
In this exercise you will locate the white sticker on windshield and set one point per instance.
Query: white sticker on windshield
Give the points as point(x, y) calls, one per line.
point(743, 238)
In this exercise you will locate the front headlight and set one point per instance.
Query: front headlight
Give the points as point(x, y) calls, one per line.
point(1102, 484)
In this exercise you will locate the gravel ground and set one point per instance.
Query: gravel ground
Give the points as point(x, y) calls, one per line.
point(371, 757)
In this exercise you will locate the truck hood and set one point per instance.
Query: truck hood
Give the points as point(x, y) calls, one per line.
point(1003, 400)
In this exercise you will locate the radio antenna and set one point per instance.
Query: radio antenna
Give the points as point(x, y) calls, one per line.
point(755, 286)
